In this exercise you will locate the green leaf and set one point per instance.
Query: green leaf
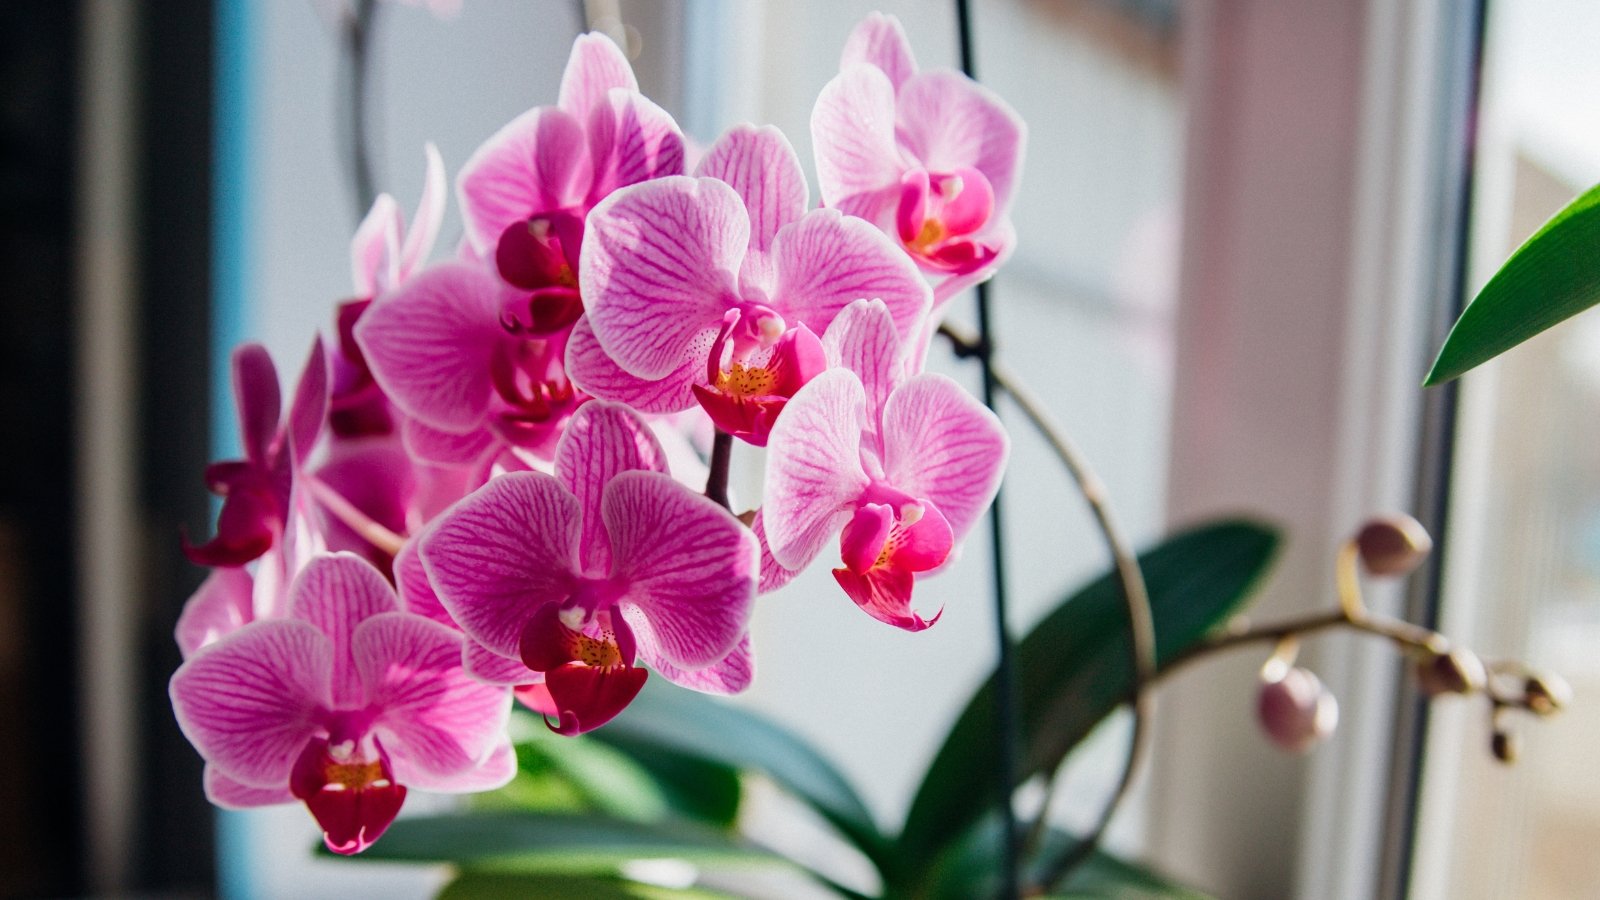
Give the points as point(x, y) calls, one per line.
point(967, 867)
point(693, 787)
point(668, 718)
point(608, 781)
point(1553, 276)
point(511, 886)
point(1073, 670)
point(529, 842)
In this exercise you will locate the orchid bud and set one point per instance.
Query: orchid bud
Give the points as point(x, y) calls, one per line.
point(1546, 693)
point(1296, 711)
point(1454, 672)
point(1505, 745)
point(1393, 545)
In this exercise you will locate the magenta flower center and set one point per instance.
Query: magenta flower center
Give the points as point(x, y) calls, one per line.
point(939, 216)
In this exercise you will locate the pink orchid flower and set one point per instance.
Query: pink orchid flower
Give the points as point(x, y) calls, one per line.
point(931, 157)
point(899, 467)
point(473, 352)
point(383, 254)
point(714, 288)
point(256, 490)
point(525, 192)
point(609, 561)
point(343, 705)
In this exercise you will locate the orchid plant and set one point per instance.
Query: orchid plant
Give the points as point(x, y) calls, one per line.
point(491, 432)
point(504, 484)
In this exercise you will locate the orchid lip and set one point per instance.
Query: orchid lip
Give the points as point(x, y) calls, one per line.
point(350, 790)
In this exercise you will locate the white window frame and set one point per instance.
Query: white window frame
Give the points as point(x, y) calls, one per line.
point(1314, 173)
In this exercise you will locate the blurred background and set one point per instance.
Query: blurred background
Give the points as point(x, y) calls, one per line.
point(1243, 228)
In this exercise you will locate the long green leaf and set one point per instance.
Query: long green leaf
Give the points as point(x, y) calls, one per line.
point(1073, 671)
point(967, 868)
point(1553, 276)
point(512, 886)
point(670, 718)
point(529, 842)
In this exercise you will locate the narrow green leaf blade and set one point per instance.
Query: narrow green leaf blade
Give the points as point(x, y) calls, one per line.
point(1073, 670)
point(510, 886)
point(967, 867)
point(668, 718)
point(1553, 276)
point(528, 842)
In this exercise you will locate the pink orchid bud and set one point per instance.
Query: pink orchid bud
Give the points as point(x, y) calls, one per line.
point(1296, 711)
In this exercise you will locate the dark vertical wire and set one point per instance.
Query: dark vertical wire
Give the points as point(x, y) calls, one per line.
point(1005, 668)
point(356, 38)
point(1438, 432)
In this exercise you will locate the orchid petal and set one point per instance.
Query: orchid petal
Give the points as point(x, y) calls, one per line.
point(862, 339)
point(336, 593)
point(730, 675)
point(429, 344)
point(229, 794)
point(861, 542)
point(426, 220)
point(853, 136)
point(658, 268)
point(601, 440)
point(762, 168)
point(884, 593)
point(375, 248)
point(942, 444)
point(880, 41)
point(490, 667)
point(416, 593)
point(828, 260)
point(221, 606)
point(948, 122)
point(595, 66)
point(309, 409)
point(588, 696)
point(690, 566)
point(631, 140)
point(773, 576)
point(451, 449)
point(436, 721)
point(257, 398)
point(247, 702)
point(595, 373)
point(247, 527)
point(537, 163)
point(498, 555)
point(814, 472)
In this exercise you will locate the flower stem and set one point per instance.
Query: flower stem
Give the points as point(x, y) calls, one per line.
point(346, 512)
point(721, 460)
point(1135, 596)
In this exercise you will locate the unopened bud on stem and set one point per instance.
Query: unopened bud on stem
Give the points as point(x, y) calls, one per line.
point(1505, 745)
point(1546, 693)
point(1454, 672)
point(1296, 711)
point(1393, 545)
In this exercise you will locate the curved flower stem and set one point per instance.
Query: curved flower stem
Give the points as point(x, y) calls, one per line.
point(1352, 614)
point(1134, 593)
point(346, 512)
point(721, 460)
point(355, 38)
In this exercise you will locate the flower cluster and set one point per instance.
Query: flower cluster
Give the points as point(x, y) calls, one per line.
point(493, 483)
